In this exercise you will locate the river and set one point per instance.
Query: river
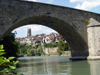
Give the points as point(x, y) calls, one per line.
point(57, 65)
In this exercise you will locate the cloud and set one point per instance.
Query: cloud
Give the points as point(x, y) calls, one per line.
point(38, 29)
point(32, 0)
point(46, 1)
point(86, 4)
point(77, 0)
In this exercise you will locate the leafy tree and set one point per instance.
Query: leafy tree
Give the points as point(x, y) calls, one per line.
point(41, 50)
point(6, 66)
point(66, 47)
point(54, 45)
point(31, 52)
point(10, 45)
point(43, 34)
point(62, 46)
point(24, 49)
point(47, 45)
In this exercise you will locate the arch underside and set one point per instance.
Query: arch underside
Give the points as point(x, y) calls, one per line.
point(76, 42)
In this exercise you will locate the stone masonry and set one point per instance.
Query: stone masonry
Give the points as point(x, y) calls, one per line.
point(94, 39)
point(69, 22)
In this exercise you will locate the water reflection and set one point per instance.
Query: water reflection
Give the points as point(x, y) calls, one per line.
point(45, 66)
point(80, 68)
point(57, 66)
point(94, 67)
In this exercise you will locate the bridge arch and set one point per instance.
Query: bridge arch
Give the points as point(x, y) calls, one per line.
point(77, 43)
point(69, 22)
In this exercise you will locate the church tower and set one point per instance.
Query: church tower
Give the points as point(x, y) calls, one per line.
point(29, 32)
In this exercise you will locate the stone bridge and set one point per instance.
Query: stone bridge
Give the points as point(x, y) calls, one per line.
point(80, 28)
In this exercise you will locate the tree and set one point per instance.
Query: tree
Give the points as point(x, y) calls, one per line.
point(41, 50)
point(62, 46)
point(42, 34)
point(6, 65)
point(10, 45)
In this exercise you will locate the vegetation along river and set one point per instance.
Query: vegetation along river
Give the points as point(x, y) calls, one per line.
point(57, 65)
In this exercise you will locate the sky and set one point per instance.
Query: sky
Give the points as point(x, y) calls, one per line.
point(88, 5)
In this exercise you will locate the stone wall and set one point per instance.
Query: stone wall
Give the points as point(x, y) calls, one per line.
point(94, 39)
point(50, 50)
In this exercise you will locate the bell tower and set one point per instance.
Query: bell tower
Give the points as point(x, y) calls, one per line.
point(29, 32)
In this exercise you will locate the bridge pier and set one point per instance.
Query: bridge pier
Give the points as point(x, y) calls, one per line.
point(93, 30)
point(79, 55)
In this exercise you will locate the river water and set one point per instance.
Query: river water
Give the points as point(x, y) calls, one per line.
point(57, 65)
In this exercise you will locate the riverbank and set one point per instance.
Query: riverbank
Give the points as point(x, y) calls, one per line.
point(53, 52)
point(65, 53)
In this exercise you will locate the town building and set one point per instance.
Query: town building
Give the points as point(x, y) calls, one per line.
point(40, 39)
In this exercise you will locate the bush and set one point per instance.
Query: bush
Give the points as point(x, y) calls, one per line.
point(54, 45)
point(47, 45)
point(30, 50)
point(62, 46)
point(10, 45)
point(6, 66)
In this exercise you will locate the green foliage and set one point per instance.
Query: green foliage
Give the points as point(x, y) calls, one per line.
point(54, 45)
point(30, 50)
point(43, 34)
point(10, 45)
point(6, 66)
point(47, 45)
point(22, 49)
point(41, 50)
point(62, 46)
point(87, 21)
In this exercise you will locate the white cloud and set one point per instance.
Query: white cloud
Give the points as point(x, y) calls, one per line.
point(77, 0)
point(38, 29)
point(32, 0)
point(46, 1)
point(86, 4)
